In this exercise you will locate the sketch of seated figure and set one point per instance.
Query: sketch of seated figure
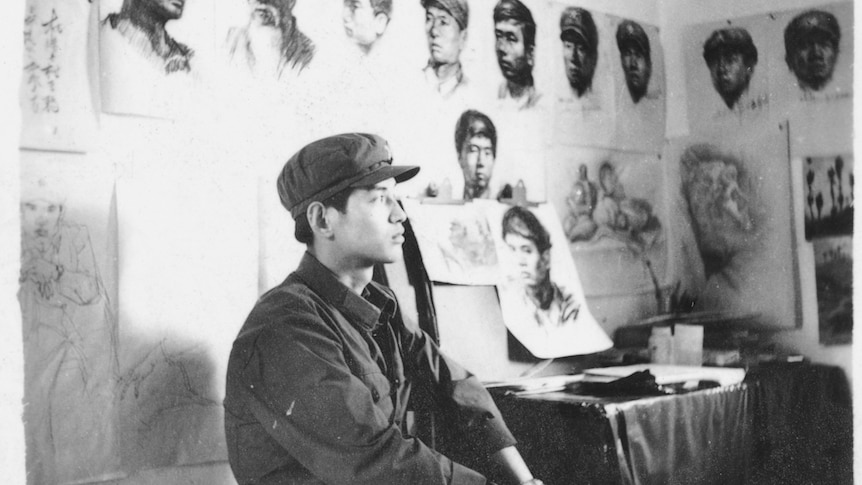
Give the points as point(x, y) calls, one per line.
point(141, 25)
point(626, 219)
point(70, 360)
point(271, 41)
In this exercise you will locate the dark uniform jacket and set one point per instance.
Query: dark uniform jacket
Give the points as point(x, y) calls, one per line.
point(317, 389)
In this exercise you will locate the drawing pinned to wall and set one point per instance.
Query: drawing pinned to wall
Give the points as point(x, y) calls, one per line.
point(613, 215)
point(828, 196)
point(145, 67)
point(271, 43)
point(584, 111)
point(833, 269)
point(456, 242)
point(735, 224)
point(728, 75)
point(541, 297)
point(640, 86)
point(515, 46)
point(54, 94)
point(814, 61)
point(68, 310)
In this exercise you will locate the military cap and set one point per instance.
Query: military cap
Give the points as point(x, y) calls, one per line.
point(513, 10)
point(458, 9)
point(733, 39)
point(630, 32)
point(807, 23)
point(327, 166)
point(575, 20)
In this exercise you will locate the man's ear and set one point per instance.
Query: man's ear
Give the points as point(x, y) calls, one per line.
point(381, 20)
point(319, 220)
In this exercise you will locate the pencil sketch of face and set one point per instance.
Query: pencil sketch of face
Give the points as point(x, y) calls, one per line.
point(446, 34)
point(271, 42)
point(731, 57)
point(40, 218)
point(718, 200)
point(365, 21)
point(476, 142)
point(634, 48)
point(580, 48)
point(530, 247)
point(515, 39)
point(166, 9)
point(811, 43)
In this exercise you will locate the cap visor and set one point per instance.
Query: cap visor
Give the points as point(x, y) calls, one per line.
point(400, 173)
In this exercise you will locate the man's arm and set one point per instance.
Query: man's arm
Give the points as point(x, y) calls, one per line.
point(510, 460)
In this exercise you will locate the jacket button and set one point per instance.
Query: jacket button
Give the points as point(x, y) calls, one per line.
point(375, 395)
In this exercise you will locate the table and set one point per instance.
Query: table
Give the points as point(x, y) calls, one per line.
point(785, 424)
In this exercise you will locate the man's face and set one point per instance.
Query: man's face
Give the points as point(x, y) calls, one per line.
point(370, 230)
point(513, 56)
point(166, 9)
point(269, 13)
point(445, 37)
point(40, 218)
point(814, 60)
point(580, 64)
point(531, 266)
point(477, 163)
point(637, 69)
point(730, 75)
point(361, 24)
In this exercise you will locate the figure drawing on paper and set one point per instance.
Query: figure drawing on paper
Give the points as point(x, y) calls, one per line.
point(811, 43)
point(731, 57)
point(603, 210)
point(140, 24)
point(476, 143)
point(446, 32)
point(633, 44)
point(549, 318)
point(70, 357)
point(580, 49)
point(271, 40)
point(515, 34)
point(716, 187)
point(365, 22)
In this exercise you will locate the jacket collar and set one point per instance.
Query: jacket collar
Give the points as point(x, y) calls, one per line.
point(377, 303)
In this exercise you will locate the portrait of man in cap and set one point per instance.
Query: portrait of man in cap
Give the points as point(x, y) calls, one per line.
point(446, 32)
point(731, 56)
point(365, 21)
point(580, 48)
point(633, 44)
point(515, 34)
point(811, 44)
point(271, 40)
point(320, 376)
point(476, 143)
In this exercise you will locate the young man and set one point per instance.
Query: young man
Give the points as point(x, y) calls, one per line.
point(365, 21)
point(731, 56)
point(446, 31)
point(580, 48)
point(320, 374)
point(634, 48)
point(811, 42)
point(515, 35)
point(476, 143)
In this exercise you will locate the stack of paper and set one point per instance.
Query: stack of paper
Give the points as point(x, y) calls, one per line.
point(669, 374)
